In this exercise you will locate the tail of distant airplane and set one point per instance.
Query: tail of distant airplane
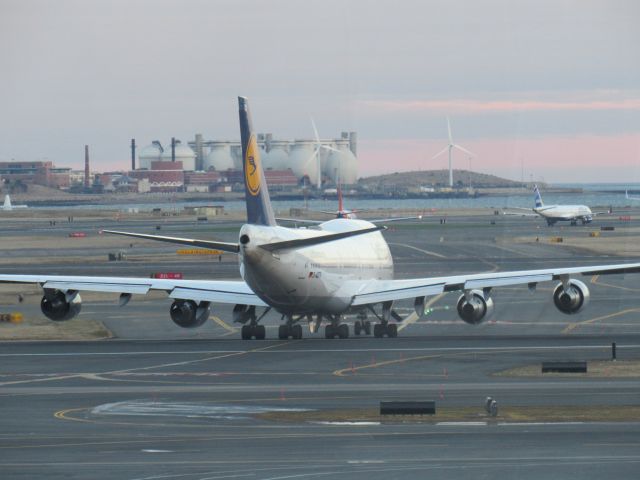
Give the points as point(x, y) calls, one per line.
point(538, 197)
point(259, 210)
point(7, 203)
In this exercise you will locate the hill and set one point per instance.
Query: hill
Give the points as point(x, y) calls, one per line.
point(437, 178)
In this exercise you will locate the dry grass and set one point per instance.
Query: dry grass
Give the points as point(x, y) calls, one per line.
point(598, 369)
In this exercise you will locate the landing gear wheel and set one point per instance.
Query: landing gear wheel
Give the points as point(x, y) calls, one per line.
point(245, 332)
point(296, 332)
point(343, 331)
point(392, 330)
point(259, 332)
point(329, 331)
point(283, 332)
point(378, 330)
point(357, 327)
point(367, 327)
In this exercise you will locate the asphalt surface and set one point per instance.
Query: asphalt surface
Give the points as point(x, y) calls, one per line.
point(157, 401)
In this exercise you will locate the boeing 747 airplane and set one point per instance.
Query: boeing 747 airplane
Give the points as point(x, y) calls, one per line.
point(313, 275)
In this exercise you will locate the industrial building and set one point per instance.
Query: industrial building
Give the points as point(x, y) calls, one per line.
point(40, 173)
point(208, 165)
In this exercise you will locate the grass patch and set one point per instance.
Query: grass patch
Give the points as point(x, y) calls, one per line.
point(596, 369)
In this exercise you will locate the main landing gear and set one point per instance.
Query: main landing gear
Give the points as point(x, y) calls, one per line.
point(335, 327)
point(362, 325)
point(247, 316)
point(385, 327)
point(291, 329)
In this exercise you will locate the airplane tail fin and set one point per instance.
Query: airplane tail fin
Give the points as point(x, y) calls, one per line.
point(538, 197)
point(259, 210)
point(7, 203)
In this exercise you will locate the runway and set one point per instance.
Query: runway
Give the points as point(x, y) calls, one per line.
point(157, 401)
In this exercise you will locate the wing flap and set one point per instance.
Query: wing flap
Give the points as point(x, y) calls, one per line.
point(132, 288)
point(216, 296)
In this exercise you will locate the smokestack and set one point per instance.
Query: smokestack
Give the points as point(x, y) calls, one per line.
point(133, 154)
point(353, 143)
point(199, 152)
point(86, 167)
point(173, 149)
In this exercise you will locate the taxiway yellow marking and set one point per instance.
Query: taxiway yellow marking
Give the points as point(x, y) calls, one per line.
point(224, 325)
point(428, 252)
point(413, 318)
point(575, 325)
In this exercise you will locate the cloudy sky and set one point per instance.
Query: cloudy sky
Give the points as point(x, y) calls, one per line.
point(548, 90)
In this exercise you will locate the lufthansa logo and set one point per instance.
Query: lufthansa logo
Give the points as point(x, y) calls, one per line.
point(251, 170)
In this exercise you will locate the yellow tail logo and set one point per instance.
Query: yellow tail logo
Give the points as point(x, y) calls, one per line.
point(251, 164)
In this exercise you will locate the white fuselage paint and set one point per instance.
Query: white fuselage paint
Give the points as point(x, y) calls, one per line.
point(312, 279)
point(565, 212)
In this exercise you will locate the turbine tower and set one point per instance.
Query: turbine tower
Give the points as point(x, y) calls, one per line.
point(450, 147)
point(316, 152)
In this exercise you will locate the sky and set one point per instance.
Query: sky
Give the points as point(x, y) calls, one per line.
point(537, 90)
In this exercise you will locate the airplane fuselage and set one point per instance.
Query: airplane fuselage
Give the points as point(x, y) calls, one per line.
point(314, 279)
point(556, 213)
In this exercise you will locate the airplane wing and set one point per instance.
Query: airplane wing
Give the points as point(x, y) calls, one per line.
point(217, 291)
point(299, 220)
point(375, 291)
point(521, 214)
point(392, 219)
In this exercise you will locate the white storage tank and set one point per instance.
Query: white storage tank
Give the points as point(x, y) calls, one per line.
point(184, 154)
point(342, 165)
point(148, 154)
point(303, 162)
point(278, 156)
point(219, 158)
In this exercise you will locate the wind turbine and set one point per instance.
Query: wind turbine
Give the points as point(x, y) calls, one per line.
point(450, 147)
point(316, 151)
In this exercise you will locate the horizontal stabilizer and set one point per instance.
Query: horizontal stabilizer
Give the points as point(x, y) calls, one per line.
point(225, 247)
point(308, 242)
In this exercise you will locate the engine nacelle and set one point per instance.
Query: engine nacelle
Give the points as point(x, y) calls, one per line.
point(572, 299)
point(59, 306)
point(189, 314)
point(475, 309)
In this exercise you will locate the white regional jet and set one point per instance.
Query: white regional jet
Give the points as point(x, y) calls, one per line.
point(557, 213)
point(308, 274)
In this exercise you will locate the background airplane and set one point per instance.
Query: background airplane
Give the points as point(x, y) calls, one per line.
point(557, 213)
point(314, 275)
point(629, 197)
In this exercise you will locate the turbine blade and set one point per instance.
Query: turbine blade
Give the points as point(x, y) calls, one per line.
point(315, 130)
point(327, 147)
point(440, 152)
point(449, 130)
point(464, 150)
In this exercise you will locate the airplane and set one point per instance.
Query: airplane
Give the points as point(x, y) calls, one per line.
point(343, 266)
point(346, 213)
point(556, 213)
point(8, 206)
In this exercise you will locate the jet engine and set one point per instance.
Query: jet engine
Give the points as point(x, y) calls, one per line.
point(189, 314)
point(474, 307)
point(59, 306)
point(571, 299)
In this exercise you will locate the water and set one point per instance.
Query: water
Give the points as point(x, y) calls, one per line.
point(594, 195)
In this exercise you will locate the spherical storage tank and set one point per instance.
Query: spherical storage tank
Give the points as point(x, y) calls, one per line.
point(219, 158)
point(342, 165)
point(148, 154)
point(278, 157)
point(303, 162)
point(184, 154)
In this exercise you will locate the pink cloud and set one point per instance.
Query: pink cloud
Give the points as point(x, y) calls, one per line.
point(498, 106)
point(586, 158)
